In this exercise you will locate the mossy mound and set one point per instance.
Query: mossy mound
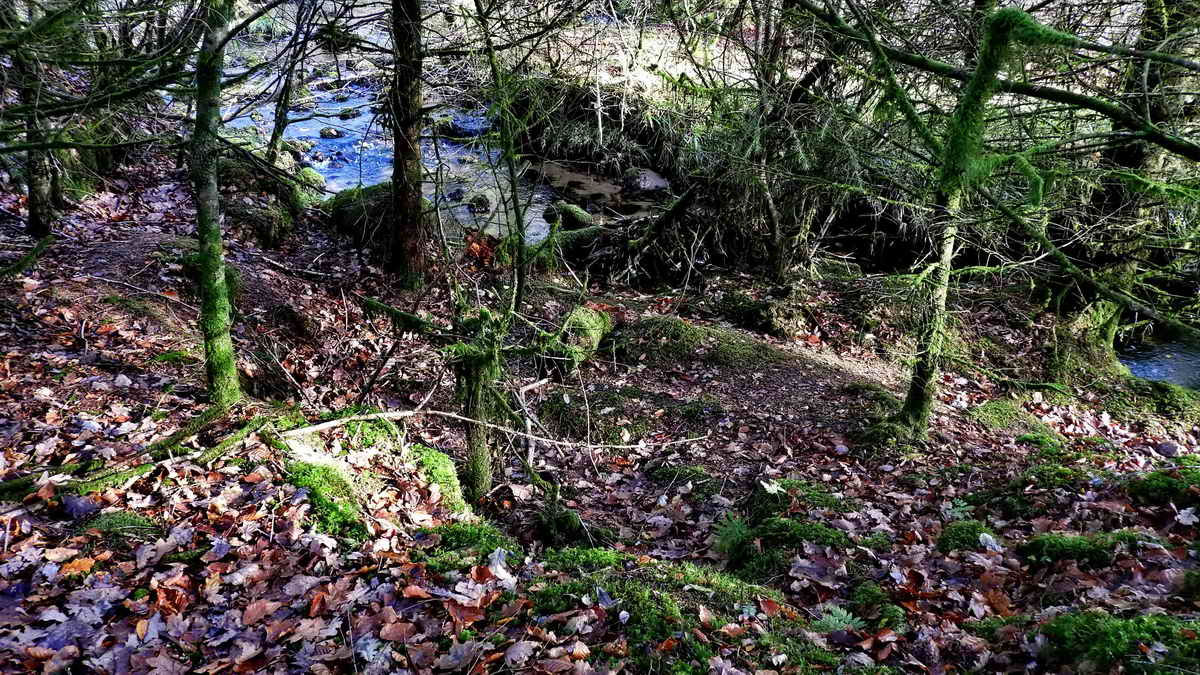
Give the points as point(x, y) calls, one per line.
point(583, 330)
point(1095, 641)
point(568, 215)
point(584, 559)
point(1096, 550)
point(294, 188)
point(659, 605)
point(123, 529)
point(699, 409)
point(776, 498)
point(762, 552)
point(606, 416)
point(962, 535)
point(439, 469)
point(774, 316)
point(1030, 490)
point(665, 340)
point(365, 213)
point(268, 224)
point(463, 545)
point(704, 485)
point(1006, 415)
point(1135, 397)
point(1180, 486)
point(335, 508)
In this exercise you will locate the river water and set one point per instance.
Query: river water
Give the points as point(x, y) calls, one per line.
point(1174, 362)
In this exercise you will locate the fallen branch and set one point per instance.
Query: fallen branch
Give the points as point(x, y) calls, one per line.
point(24, 262)
point(403, 414)
point(145, 291)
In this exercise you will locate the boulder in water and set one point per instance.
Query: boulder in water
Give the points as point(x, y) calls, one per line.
point(330, 132)
point(644, 181)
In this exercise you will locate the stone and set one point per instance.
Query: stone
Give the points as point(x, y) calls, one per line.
point(642, 181)
point(1167, 449)
point(330, 132)
point(349, 113)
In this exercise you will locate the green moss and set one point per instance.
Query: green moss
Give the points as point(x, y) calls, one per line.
point(877, 541)
point(583, 330)
point(334, 504)
point(364, 434)
point(892, 617)
point(1134, 397)
point(866, 597)
point(1191, 585)
point(463, 545)
point(123, 529)
point(998, 415)
point(585, 559)
point(703, 484)
point(775, 498)
point(364, 213)
point(1103, 641)
point(666, 340)
point(176, 357)
point(1095, 550)
point(989, 628)
point(662, 601)
point(962, 535)
point(1173, 486)
point(700, 409)
point(604, 416)
point(134, 306)
point(792, 534)
point(438, 468)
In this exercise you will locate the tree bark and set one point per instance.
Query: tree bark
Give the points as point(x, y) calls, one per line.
point(38, 173)
point(406, 250)
point(215, 308)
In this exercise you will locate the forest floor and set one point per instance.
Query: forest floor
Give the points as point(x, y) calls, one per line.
point(979, 549)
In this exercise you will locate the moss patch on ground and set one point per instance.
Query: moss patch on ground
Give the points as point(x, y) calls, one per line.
point(962, 535)
point(335, 508)
point(1027, 492)
point(1179, 486)
point(1096, 550)
point(463, 545)
point(1006, 415)
point(777, 497)
point(439, 469)
point(761, 552)
point(1100, 642)
point(664, 340)
point(584, 559)
point(122, 529)
point(704, 485)
point(660, 603)
point(604, 416)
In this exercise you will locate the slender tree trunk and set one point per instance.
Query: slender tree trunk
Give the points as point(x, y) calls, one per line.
point(406, 251)
point(38, 173)
point(215, 308)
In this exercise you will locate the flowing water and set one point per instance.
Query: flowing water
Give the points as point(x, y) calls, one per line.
point(1174, 362)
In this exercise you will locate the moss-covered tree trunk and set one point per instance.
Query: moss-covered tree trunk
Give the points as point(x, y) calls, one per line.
point(38, 175)
point(1084, 339)
point(215, 308)
point(406, 250)
point(478, 366)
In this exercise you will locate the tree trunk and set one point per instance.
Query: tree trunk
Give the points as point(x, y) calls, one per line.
point(38, 173)
point(406, 250)
point(220, 361)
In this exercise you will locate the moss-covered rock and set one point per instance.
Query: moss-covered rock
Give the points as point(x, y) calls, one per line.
point(582, 332)
point(1095, 641)
point(1096, 550)
point(463, 545)
point(568, 215)
point(335, 508)
point(438, 469)
point(962, 535)
point(268, 224)
point(776, 498)
point(666, 340)
point(365, 213)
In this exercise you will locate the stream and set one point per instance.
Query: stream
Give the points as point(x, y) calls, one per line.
point(1174, 362)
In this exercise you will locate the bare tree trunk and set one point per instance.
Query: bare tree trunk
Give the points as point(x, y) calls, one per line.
point(215, 307)
point(406, 250)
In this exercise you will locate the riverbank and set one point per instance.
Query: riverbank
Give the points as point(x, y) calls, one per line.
point(712, 464)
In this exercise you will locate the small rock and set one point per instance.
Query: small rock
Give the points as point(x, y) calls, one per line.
point(349, 113)
point(1167, 449)
point(122, 381)
point(841, 449)
point(330, 132)
point(887, 468)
